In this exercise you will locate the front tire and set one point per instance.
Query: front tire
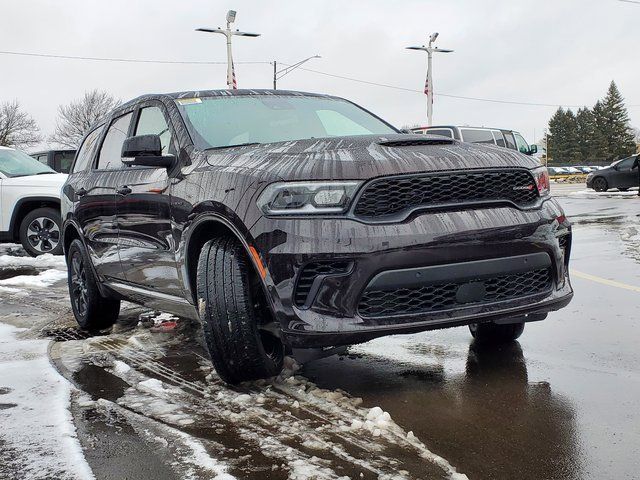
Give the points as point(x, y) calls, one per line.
point(40, 232)
point(600, 184)
point(93, 312)
point(496, 333)
point(234, 314)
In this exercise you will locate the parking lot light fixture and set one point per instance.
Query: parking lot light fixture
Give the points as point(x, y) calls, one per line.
point(428, 87)
point(232, 83)
point(278, 74)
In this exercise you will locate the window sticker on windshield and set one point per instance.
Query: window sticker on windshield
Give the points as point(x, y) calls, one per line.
point(189, 101)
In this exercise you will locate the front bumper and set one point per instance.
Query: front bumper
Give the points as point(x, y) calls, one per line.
point(332, 316)
point(590, 181)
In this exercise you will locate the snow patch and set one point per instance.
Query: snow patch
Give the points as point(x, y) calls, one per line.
point(42, 261)
point(39, 430)
point(42, 280)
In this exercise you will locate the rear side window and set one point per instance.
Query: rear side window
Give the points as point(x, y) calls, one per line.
point(87, 150)
point(152, 122)
point(477, 136)
point(511, 142)
point(445, 132)
point(62, 161)
point(497, 134)
point(111, 152)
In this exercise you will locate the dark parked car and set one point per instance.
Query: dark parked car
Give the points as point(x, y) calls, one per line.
point(286, 220)
point(59, 160)
point(618, 175)
point(490, 136)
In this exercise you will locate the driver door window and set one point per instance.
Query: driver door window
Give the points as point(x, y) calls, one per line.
point(522, 144)
point(111, 151)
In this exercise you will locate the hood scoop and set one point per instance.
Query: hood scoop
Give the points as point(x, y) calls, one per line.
point(416, 142)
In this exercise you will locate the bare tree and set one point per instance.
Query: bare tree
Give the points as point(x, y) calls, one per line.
point(17, 128)
point(75, 119)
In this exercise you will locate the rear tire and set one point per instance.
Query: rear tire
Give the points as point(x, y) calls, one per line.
point(93, 312)
point(494, 333)
point(232, 308)
point(40, 232)
point(600, 184)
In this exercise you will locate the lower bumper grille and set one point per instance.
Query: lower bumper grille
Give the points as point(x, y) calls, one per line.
point(311, 276)
point(445, 296)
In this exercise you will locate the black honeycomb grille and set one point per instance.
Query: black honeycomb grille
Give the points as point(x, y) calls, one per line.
point(433, 298)
point(563, 241)
point(313, 270)
point(393, 196)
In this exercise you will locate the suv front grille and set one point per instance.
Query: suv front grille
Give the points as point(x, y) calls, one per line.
point(394, 196)
point(312, 271)
point(433, 298)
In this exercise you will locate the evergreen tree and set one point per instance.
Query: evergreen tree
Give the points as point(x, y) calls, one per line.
point(563, 137)
point(612, 120)
point(591, 143)
point(555, 147)
point(572, 138)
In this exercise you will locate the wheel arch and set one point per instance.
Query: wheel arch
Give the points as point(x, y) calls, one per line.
point(70, 232)
point(206, 227)
point(25, 205)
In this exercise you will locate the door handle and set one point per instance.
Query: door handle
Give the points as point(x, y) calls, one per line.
point(81, 192)
point(124, 190)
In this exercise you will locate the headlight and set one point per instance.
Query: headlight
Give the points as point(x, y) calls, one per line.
point(541, 176)
point(304, 198)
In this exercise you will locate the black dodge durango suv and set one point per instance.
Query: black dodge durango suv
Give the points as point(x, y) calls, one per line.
point(286, 221)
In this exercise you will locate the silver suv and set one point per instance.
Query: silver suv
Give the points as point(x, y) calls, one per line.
point(492, 136)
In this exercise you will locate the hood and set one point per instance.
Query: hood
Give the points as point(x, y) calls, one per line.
point(48, 180)
point(364, 157)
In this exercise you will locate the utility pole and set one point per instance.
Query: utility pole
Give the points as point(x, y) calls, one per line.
point(228, 33)
point(278, 74)
point(428, 87)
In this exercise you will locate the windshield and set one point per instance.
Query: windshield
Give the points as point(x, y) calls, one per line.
point(14, 163)
point(234, 120)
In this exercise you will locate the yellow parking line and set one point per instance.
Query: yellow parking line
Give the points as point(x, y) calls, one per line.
point(604, 281)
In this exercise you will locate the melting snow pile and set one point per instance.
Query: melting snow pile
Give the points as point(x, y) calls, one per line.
point(37, 430)
point(53, 270)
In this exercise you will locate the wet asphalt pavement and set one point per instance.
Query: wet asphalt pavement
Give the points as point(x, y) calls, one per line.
point(561, 403)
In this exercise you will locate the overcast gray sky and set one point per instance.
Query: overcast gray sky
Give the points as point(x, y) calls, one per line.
point(562, 52)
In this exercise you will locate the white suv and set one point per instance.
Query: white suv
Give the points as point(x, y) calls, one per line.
point(30, 203)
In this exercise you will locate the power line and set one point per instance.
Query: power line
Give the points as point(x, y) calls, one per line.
point(462, 97)
point(123, 60)
point(318, 72)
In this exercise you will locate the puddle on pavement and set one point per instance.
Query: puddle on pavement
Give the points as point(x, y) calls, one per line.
point(99, 383)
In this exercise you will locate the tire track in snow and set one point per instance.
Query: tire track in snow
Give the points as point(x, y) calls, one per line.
point(319, 418)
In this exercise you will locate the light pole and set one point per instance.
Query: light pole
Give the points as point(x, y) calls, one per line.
point(228, 33)
point(428, 87)
point(278, 74)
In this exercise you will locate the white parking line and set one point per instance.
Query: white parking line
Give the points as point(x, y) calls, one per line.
point(604, 281)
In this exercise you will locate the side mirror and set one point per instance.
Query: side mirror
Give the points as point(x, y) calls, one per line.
point(533, 149)
point(146, 151)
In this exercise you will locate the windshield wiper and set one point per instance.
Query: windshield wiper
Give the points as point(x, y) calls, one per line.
point(45, 173)
point(231, 146)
